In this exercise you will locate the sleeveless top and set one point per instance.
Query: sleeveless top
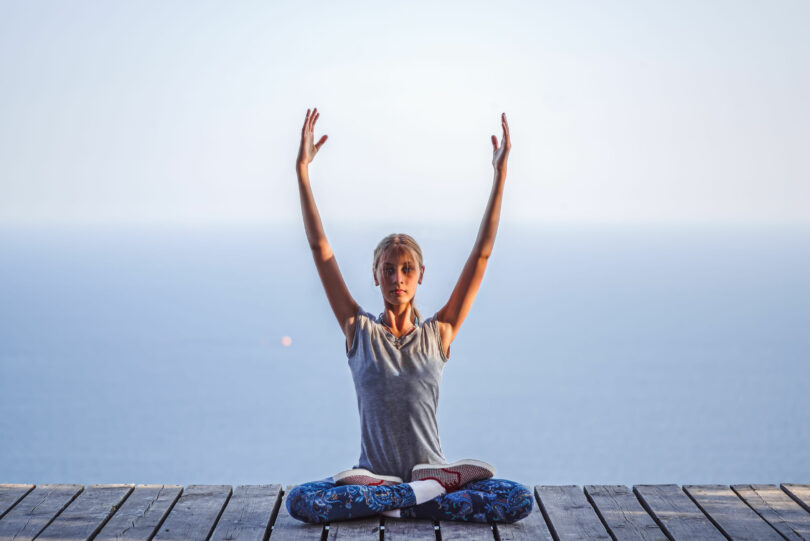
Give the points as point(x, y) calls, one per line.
point(397, 384)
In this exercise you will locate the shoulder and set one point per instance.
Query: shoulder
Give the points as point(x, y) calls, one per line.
point(360, 322)
point(444, 332)
point(360, 315)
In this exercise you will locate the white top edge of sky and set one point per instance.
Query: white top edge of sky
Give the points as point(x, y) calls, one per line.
point(188, 113)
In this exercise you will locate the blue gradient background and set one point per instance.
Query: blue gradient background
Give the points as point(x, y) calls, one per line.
point(643, 318)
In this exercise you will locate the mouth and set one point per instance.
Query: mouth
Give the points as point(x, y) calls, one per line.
point(398, 292)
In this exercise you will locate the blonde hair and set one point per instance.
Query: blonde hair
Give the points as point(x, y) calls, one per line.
point(400, 242)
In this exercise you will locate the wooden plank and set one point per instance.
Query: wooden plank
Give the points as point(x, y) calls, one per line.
point(29, 517)
point(410, 529)
point(730, 514)
point(10, 495)
point(530, 528)
point(568, 513)
point(195, 514)
point(248, 514)
point(466, 531)
point(141, 514)
point(800, 493)
point(363, 528)
point(86, 515)
point(676, 514)
point(289, 529)
point(622, 513)
point(777, 508)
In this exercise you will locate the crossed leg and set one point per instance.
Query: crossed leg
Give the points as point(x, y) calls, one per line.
point(325, 501)
point(491, 500)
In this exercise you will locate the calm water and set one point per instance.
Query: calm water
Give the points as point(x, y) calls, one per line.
point(592, 355)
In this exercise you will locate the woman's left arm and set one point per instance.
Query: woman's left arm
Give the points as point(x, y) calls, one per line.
point(452, 314)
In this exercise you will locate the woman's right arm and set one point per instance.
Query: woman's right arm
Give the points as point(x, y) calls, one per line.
point(342, 302)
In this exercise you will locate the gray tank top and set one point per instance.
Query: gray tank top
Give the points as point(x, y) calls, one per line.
point(397, 384)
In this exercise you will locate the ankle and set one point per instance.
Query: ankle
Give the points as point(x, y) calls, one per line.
point(426, 490)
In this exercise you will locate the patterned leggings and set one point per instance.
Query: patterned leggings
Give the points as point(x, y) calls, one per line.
point(491, 500)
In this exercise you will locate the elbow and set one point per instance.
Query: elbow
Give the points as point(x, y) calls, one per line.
point(321, 249)
point(483, 250)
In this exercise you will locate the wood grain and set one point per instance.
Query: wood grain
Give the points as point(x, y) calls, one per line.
point(676, 513)
point(141, 514)
point(39, 507)
point(466, 531)
point(248, 514)
point(409, 529)
point(86, 515)
point(10, 495)
point(623, 514)
point(779, 509)
point(195, 514)
point(568, 513)
point(799, 493)
point(731, 514)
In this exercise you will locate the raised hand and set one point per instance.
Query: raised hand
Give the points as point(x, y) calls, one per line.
point(500, 153)
point(308, 149)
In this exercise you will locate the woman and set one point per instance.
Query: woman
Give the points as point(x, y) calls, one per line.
point(396, 362)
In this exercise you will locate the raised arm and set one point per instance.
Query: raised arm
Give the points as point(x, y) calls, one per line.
point(343, 304)
point(452, 314)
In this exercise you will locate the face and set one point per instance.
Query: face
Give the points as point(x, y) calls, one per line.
point(397, 275)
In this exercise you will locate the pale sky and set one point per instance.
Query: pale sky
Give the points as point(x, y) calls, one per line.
point(190, 112)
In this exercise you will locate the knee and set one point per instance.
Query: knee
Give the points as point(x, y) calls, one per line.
point(300, 507)
point(520, 503)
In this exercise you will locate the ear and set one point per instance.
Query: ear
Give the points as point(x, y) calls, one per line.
point(421, 274)
point(374, 276)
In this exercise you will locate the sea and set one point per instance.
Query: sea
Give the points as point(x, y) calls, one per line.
point(593, 354)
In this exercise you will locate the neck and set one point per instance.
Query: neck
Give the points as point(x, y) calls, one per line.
point(399, 317)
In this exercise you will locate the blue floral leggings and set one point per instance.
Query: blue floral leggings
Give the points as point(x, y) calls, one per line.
point(491, 500)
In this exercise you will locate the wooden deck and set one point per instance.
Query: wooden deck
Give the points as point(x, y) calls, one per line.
point(257, 512)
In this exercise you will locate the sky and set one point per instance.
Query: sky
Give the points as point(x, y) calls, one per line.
point(190, 112)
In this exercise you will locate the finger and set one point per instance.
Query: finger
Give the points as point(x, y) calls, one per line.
point(310, 117)
point(306, 121)
point(320, 142)
point(315, 119)
point(494, 143)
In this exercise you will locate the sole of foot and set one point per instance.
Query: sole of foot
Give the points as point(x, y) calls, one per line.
point(361, 476)
point(454, 475)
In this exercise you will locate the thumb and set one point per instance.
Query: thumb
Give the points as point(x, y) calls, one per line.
point(494, 143)
point(320, 142)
